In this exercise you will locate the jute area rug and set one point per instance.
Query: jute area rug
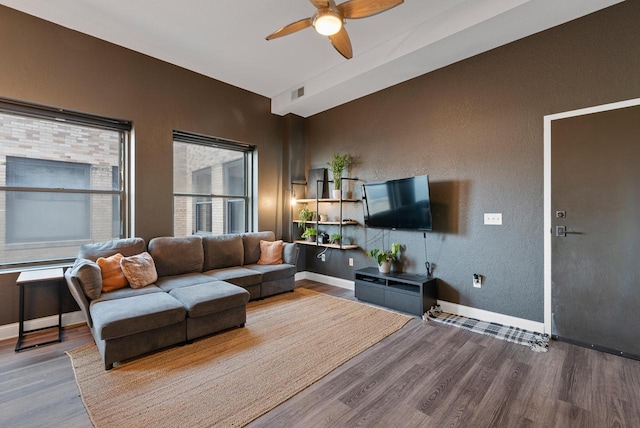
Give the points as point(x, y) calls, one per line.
point(289, 342)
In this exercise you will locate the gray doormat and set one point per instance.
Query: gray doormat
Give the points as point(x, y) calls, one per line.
point(538, 342)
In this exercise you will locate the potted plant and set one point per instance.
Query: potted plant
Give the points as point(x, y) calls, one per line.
point(310, 234)
point(384, 258)
point(304, 216)
point(335, 238)
point(337, 165)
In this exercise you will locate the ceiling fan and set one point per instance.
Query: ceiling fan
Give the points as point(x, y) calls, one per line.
point(329, 20)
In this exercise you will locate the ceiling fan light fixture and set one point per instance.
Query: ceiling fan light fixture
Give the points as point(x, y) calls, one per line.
point(327, 23)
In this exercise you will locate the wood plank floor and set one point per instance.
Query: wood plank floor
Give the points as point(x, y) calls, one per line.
point(425, 375)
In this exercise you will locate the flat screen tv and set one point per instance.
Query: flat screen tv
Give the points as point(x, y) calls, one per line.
point(398, 204)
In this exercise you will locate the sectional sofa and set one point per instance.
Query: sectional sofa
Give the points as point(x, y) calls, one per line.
point(203, 285)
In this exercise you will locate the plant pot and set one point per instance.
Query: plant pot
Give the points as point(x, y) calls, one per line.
point(324, 217)
point(384, 267)
point(336, 193)
point(311, 238)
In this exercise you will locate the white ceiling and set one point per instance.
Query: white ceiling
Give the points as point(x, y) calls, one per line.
point(225, 40)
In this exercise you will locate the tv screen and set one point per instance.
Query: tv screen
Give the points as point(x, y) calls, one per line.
point(398, 204)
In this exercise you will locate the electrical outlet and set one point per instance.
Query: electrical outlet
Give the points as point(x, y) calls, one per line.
point(324, 257)
point(493, 219)
point(477, 280)
point(350, 261)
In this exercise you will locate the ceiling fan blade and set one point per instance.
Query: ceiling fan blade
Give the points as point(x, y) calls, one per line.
point(320, 3)
point(341, 42)
point(355, 9)
point(291, 28)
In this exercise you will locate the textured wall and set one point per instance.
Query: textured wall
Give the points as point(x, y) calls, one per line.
point(48, 64)
point(476, 127)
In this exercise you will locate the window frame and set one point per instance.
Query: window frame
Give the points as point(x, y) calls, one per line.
point(247, 159)
point(124, 127)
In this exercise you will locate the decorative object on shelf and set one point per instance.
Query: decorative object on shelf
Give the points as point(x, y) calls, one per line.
point(323, 217)
point(304, 216)
point(384, 258)
point(316, 176)
point(335, 238)
point(323, 238)
point(310, 234)
point(337, 165)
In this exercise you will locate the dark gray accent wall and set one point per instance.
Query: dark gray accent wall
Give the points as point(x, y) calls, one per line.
point(476, 127)
point(48, 64)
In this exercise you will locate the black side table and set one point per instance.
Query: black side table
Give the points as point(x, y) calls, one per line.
point(29, 277)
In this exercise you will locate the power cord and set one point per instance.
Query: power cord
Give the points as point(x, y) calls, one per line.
point(321, 253)
point(427, 265)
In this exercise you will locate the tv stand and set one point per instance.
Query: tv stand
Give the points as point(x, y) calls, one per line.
point(406, 292)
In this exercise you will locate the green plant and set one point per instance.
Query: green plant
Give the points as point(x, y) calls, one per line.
point(304, 216)
point(309, 232)
point(337, 165)
point(335, 238)
point(381, 256)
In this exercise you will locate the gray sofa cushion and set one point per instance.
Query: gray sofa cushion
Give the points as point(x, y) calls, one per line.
point(210, 298)
point(274, 272)
point(123, 293)
point(290, 253)
point(177, 255)
point(131, 315)
point(237, 275)
point(168, 283)
point(251, 243)
point(221, 251)
point(126, 247)
point(90, 277)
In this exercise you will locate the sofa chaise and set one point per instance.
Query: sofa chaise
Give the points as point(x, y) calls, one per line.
point(203, 286)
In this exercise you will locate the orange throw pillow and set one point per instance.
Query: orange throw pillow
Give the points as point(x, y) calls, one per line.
point(270, 253)
point(112, 276)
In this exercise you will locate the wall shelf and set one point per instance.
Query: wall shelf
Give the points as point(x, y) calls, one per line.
point(334, 223)
point(309, 201)
point(338, 221)
point(336, 246)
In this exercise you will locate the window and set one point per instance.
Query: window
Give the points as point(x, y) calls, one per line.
point(212, 185)
point(60, 182)
point(45, 216)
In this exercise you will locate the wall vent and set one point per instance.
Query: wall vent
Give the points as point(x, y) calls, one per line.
point(297, 93)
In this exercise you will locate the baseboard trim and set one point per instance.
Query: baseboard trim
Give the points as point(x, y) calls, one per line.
point(452, 308)
point(481, 314)
point(9, 331)
point(326, 279)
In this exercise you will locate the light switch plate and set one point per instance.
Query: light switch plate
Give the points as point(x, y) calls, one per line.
point(493, 219)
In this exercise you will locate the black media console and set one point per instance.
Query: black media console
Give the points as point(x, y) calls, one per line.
point(406, 292)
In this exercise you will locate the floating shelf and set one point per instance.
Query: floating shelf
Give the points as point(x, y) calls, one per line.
point(315, 244)
point(310, 201)
point(335, 223)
